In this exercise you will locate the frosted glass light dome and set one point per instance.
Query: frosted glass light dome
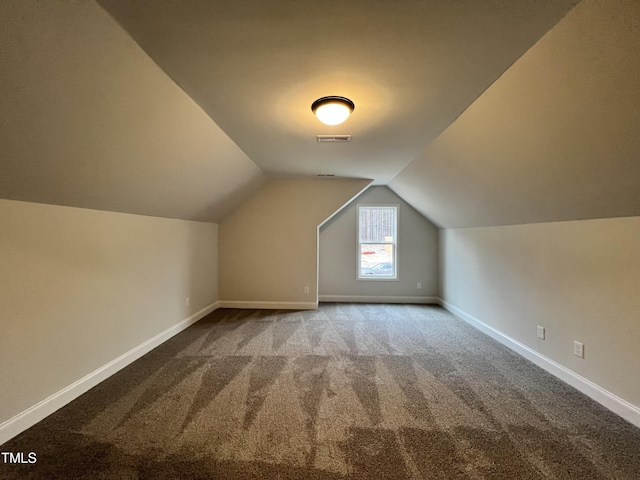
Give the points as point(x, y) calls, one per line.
point(332, 110)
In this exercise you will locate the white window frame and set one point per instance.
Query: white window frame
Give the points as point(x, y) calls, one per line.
point(395, 242)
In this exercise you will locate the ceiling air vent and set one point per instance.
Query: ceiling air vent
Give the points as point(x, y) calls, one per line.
point(333, 138)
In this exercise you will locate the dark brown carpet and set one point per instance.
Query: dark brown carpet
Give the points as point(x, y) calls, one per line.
point(348, 391)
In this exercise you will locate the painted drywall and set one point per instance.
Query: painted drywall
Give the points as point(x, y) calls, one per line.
point(268, 246)
point(554, 138)
point(411, 67)
point(577, 279)
point(81, 287)
point(89, 120)
point(417, 253)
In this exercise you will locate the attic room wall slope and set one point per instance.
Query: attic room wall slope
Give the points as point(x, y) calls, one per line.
point(555, 138)
point(268, 247)
point(89, 120)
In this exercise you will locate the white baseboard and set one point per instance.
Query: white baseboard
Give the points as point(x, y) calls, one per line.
point(46, 407)
point(377, 299)
point(269, 305)
point(609, 400)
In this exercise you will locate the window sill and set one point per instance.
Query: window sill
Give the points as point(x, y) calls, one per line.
point(377, 279)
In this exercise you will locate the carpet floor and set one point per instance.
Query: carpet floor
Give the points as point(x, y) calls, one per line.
point(350, 391)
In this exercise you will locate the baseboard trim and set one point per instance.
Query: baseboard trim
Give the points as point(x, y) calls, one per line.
point(377, 299)
point(49, 405)
point(617, 405)
point(269, 305)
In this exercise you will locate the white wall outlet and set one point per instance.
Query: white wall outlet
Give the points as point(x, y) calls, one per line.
point(306, 289)
point(419, 285)
point(541, 332)
point(187, 302)
point(578, 349)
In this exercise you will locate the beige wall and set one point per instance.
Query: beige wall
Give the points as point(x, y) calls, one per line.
point(578, 279)
point(417, 252)
point(268, 246)
point(80, 287)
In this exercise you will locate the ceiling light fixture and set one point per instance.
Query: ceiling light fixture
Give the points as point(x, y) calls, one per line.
point(332, 110)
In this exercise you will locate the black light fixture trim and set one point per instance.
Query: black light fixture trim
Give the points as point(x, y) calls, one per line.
point(332, 99)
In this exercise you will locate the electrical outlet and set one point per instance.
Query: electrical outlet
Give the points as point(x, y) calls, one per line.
point(187, 302)
point(578, 349)
point(306, 289)
point(541, 332)
point(419, 285)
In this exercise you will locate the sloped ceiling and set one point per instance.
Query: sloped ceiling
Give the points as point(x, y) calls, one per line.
point(87, 119)
point(410, 66)
point(557, 137)
point(181, 109)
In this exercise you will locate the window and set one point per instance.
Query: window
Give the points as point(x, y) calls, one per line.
point(377, 242)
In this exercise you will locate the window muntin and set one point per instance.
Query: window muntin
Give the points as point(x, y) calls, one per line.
point(377, 242)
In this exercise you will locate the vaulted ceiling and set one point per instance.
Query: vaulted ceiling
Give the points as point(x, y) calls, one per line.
point(556, 137)
point(410, 66)
point(477, 113)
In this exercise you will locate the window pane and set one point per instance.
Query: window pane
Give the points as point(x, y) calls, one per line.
point(377, 260)
point(377, 224)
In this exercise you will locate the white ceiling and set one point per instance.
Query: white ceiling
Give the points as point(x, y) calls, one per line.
point(410, 66)
point(477, 113)
point(556, 138)
point(88, 120)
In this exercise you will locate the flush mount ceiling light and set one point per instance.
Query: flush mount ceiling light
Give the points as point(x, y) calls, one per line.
point(332, 110)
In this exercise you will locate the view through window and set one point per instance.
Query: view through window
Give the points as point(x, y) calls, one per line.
point(377, 242)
